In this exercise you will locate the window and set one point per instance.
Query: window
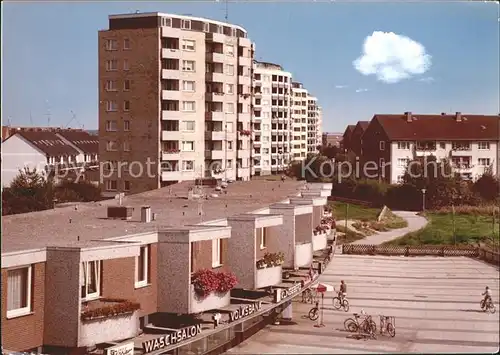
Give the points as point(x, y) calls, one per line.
point(404, 145)
point(111, 146)
point(188, 45)
point(233, 32)
point(166, 21)
point(111, 126)
point(229, 145)
point(229, 127)
point(110, 85)
point(403, 162)
point(126, 125)
point(111, 106)
point(126, 146)
point(19, 282)
point(230, 107)
point(229, 164)
point(216, 252)
point(188, 65)
point(188, 165)
point(126, 43)
point(188, 146)
point(126, 105)
point(142, 267)
point(188, 106)
point(126, 65)
point(230, 89)
point(126, 185)
point(111, 65)
point(186, 24)
point(111, 44)
point(400, 179)
point(90, 274)
point(382, 163)
point(188, 85)
point(442, 145)
point(188, 126)
point(263, 238)
point(229, 69)
point(220, 29)
point(484, 145)
point(382, 145)
point(206, 27)
point(111, 185)
point(230, 50)
point(484, 161)
point(126, 85)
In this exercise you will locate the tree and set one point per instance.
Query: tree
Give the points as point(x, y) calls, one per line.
point(329, 151)
point(313, 168)
point(487, 187)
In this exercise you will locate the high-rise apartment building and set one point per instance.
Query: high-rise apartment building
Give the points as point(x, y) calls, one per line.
point(271, 118)
point(314, 122)
point(299, 121)
point(174, 100)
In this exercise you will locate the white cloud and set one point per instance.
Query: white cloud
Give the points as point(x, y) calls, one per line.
point(361, 90)
point(340, 86)
point(392, 57)
point(427, 79)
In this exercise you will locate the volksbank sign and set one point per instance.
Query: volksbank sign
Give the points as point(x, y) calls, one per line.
point(171, 339)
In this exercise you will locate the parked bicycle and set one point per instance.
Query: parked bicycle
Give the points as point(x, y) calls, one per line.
point(314, 312)
point(340, 302)
point(367, 326)
point(488, 306)
point(388, 325)
point(309, 296)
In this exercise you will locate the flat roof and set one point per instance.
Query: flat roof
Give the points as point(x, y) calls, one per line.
point(80, 223)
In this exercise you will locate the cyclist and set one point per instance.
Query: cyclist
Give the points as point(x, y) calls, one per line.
point(343, 290)
point(487, 295)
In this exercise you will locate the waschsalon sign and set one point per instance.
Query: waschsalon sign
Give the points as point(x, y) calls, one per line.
point(171, 339)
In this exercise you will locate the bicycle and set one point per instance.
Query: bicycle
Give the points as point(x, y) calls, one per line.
point(488, 306)
point(314, 312)
point(368, 326)
point(388, 324)
point(339, 302)
point(308, 296)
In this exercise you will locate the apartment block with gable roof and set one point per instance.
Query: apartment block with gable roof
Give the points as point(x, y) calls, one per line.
point(46, 149)
point(470, 142)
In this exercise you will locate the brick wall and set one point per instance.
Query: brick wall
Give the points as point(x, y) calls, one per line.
point(202, 256)
point(26, 332)
point(118, 281)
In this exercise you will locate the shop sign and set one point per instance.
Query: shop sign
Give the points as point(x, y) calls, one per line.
point(245, 311)
point(122, 349)
point(292, 291)
point(171, 339)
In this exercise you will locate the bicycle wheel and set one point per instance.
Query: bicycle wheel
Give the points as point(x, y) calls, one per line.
point(481, 304)
point(337, 303)
point(492, 308)
point(373, 326)
point(345, 304)
point(350, 325)
point(391, 330)
point(313, 314)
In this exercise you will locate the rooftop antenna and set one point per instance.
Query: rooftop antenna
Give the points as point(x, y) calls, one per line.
point(9, 121)
point(48, 112)
point(31, 119)
point(227, 10)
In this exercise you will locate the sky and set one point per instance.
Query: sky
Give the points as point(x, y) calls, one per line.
point(358, 58)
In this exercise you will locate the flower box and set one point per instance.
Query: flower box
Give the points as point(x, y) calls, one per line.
point(172, 151)
point(271, 260)
point(206, 281)
point(116, 306)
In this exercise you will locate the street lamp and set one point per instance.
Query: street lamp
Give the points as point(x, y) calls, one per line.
point(423, 199)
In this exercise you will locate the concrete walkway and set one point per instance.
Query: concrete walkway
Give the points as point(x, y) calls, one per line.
point(415, 223)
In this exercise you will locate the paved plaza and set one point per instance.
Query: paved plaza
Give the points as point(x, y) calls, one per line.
point(435, 301)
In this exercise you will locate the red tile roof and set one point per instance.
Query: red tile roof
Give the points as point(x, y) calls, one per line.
point(48, 142)
point(363, 124)
point(440, 127)
point(86, 142)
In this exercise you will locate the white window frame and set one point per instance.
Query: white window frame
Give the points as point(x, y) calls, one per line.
point(230, 89)
point(185, 127)
point(126, 64)
point(111, 44)
point(126, 146)
point(85, 267)
point(166, 21)
point(234, 32)
point(185, 66)
point(229, 107)
point(229, 127)
point(403, 145)
point(18, 312)
point(381, 145)
point(126, 105)
point(183, 146)
point(109, 145)
point(184, 82)
point(111, 106)
point(184, 106)
point(206, 27)
point(126, 125)
point(125, 88)
point(263, 238)
point(485, 160)
point(216, 252)
point(144, 250)
point(108, 185)
point(486, 145)
point(188, 45)
point(126, 43)
point(111, 126)
point(110, 66)
point(185, 24)
point(230, 50)
point(227, 69)
point(220, 29)
point(111, 85)
point(184, 165)
point(403, 162)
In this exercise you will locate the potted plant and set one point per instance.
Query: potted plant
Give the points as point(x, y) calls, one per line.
point(206, 281)
point(261, 264)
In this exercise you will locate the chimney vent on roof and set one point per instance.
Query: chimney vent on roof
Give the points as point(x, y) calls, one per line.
point(458, 116)
point(146, 214)
point(408, 116)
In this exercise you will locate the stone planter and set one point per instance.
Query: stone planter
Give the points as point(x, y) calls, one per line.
point(268, 277)
point(214, 300)
point(108, 329)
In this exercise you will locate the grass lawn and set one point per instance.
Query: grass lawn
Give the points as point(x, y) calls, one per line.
point(354, 212)
point(350, 237)
point(469, 229)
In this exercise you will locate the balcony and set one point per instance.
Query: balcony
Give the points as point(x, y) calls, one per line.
point(243, 172)
point(218, 77)
point(319, 241)
point(243, 153)
point(244, 42)
point(215, 57)
point(171, 175)
point(216, 37)
point(170, 135)
point(268, 276)
point(171, 74)
point(173, 154)
point(170, 95)
point(214, 96)
point(303, 254)
point(215, 154)
point(214, 116)
point(244, 80)
point(108, 320)
point(170, 115)
point(215, 135)
point(212, 301)
point(169, 53)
